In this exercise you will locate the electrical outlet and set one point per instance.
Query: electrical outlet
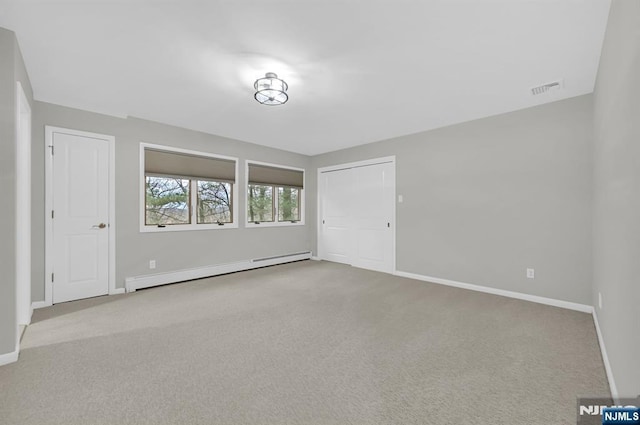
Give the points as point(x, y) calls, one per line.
point(600, 300)
point(152, 264)
point(531, 274)
point(400, 199)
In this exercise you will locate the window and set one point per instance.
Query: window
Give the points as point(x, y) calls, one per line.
point(260, 203)
point(185, 190)
point(214, 202)
point(274, 195)
point(167, 201)
point(288, 204)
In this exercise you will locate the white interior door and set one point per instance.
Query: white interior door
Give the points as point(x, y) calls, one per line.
point(80, 217)
point(336, 229)
point(357, 208)
point(373, 197)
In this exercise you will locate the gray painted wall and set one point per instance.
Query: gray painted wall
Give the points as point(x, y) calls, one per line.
point(12, 69)
point(617, 194)
point(486, 199)
point(7, 181)
point(172, 250)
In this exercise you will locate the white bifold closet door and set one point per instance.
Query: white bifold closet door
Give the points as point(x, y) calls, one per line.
point(357, 216)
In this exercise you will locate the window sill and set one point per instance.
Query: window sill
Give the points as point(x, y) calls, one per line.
point(252, 225)
point(186, 228)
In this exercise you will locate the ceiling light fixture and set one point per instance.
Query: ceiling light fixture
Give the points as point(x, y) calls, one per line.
point(271, 90)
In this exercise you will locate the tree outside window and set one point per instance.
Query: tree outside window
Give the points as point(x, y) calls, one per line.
point(260, 205)
point(288, 204)
point(214, 202)
point(169, 201)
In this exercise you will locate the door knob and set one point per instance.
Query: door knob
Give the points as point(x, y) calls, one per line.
point(99, 226)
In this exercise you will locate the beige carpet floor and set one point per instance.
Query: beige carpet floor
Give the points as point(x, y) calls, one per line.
point(303, 343)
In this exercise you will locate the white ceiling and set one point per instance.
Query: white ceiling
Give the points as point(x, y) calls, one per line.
point(358, 70)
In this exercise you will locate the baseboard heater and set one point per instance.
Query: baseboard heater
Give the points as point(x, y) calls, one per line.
point(146, 281)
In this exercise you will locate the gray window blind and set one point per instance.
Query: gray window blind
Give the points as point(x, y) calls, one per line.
point(263, 174)
point(167, 163)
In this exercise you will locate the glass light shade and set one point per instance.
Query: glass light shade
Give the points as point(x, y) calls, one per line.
point(271, 90)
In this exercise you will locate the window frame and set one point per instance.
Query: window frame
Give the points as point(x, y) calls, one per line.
point(275, 191)
point(193, 193)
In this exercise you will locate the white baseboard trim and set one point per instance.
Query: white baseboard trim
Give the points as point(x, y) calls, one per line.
point(146, 281)
point(315, 258)
point(40, 304)
point(30, 316)
point(9, 357)
point(18, 333)
point(605, 359)
point(518, 295)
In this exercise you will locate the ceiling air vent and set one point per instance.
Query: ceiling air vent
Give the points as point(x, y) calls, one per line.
point(546, 88)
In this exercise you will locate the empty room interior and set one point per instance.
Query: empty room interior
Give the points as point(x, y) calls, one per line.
point(338, 212)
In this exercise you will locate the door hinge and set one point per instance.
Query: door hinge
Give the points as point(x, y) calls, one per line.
point(388, 224)
point(51, 146)
point(52, 214)
point(51, 277)
point(322, 221)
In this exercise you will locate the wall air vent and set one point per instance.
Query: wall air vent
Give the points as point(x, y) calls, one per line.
point(547, 88)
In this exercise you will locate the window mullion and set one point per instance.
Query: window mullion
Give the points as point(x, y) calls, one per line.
point(276, 210)
point(193, 187)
